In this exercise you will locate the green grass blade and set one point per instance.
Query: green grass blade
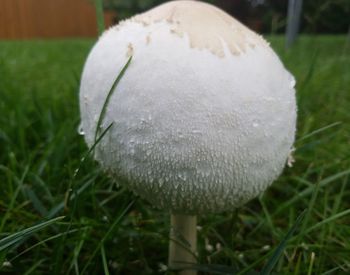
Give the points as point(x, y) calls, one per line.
point(332, 271)
point(210, 268)
point(34, 267)
point(248, 268)
point(268, 216)
point(83, 159)
point(310, 72)
point(20, 183)
point(319, 130)
point(297, 266)
point(72, 195)
point(109, 95)
point(280, 248)
point(311, 265)
point(337, 202)
point(99, 16)
point(59, 207)
point(328, 220)
point(77, 249)
point(309, 210)
point(43, 242)
point(19, 236)
point(36, 202)
point(310, 190)
point(115, 223)
point(104, 260)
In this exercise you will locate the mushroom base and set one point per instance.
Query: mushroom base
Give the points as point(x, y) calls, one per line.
point(183, 243)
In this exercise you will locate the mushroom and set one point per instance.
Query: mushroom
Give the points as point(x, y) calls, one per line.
point(204, 117)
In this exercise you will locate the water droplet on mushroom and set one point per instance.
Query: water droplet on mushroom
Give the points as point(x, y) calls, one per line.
point(143, 120)
point(183, 176)
point(292, 81)
point(81, 130)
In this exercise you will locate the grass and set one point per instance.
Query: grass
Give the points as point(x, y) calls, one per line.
point(106, 230)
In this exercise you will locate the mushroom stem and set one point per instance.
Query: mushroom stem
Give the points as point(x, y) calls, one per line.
point(183, 242)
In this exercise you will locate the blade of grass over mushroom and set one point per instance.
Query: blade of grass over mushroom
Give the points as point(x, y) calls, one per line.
point(72, 196)
point(280, 248)
point(75, 192)
point(83, 159)
point(108, 97)
point(19, 236)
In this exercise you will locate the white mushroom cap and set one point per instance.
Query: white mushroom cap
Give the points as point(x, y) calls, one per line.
point(204, 117)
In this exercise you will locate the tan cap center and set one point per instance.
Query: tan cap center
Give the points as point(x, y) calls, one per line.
point(206, 26)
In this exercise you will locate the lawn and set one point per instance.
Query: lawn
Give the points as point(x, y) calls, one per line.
point(107, 229)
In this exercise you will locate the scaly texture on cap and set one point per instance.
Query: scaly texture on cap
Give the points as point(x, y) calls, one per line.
point(204, 117)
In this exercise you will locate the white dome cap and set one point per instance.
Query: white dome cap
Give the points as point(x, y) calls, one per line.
point(204, 117)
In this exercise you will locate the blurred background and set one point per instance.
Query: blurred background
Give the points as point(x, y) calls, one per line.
point(26, 19)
